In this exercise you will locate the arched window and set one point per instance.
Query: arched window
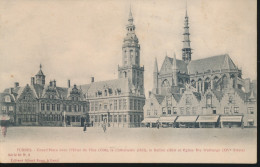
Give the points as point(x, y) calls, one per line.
point(165, 83)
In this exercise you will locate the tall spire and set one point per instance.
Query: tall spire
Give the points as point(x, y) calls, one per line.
point(130, 18)
point(186, 50)
point(155, 66)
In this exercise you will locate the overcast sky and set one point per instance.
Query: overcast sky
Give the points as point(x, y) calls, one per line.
point(83, 38)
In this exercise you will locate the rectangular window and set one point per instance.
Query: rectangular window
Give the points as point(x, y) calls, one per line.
point(124, 118)
point(105, 106)
point(188, 110)
point(96, 106)
point(120, 104)
point(174, 109)
point(42, 106)
point(58, 107)
point(135, 104)
point(92, 106)
point(164, 111)
point(11, 108)
point(131, 104)
point(3, 108)
point(53, 107)
point(115, 104)
point(111, 105)
point(236, 109)
point(120, 118)
point(124, 104)
point(169, 111)
point(96, 118)
point(139, 104)
point(48, 107)
point(250, 110)
point(79, 108)
point(69, 108)
point(115, 118)
point(75, 108)
point(64, 107)
point(226, 110)
point(182, 110)
point(155, 112)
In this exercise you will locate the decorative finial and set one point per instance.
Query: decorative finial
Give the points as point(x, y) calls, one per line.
point(40, 66)
point(186, 10)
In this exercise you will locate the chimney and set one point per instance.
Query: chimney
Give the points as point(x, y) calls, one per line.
point(16, 84)
point(51, 83)
point(54, 83)
point(32, 81)
point(92, 79)
point(11, 90)
point(68, 83)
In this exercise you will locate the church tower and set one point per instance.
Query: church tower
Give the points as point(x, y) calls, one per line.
point(131, 58)
point(40, 77)
point(186, 50)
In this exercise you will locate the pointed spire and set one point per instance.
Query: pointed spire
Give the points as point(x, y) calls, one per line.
point(174, 64)
point(155, 66)
point(252, 95)
point(40, 66)
point(130, 18)
point(186, 10)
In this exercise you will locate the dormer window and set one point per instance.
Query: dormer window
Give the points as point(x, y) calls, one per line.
point(7, 99)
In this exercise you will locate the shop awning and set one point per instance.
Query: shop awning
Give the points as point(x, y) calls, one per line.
point(230, 118)
point(4, 117)
point(208, 118)
point(187, 119)
point(150, 120)
point(167, 119)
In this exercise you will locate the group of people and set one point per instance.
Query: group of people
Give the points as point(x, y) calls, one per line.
point(104, 126)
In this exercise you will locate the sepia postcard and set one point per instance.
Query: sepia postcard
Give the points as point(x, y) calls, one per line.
point(128, 81)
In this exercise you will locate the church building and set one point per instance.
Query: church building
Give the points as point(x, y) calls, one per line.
point(188, 82)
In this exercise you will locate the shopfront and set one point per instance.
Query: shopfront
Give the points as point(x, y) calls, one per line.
point(230, 121)
point(150, 122)
point(168, 121)
point(186, 121)
point(208, 121)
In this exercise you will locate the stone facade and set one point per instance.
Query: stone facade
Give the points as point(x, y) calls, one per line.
point(207, 92)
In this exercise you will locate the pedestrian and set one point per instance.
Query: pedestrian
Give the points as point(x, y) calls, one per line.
point(4, 123)
point(104, 126)
point(85, 127)
point(158, 125)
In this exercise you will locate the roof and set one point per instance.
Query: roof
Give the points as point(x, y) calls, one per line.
point(40, 72)
point(2, 95)
point(92, 88)
point(181, 65)
point(176, 96)
point(197, 95)
point(159, 98)
point(211, 63)
point(218, 94)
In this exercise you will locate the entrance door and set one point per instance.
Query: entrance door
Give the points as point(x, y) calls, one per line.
point(82, 122)
point(19, 121)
